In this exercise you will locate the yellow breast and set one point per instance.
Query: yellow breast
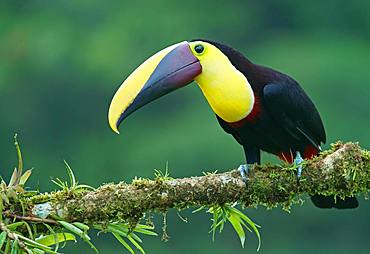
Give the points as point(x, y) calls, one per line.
point(226, 89)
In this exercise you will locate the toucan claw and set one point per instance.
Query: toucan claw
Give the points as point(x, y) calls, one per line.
point(298, 160)
point(244, 172)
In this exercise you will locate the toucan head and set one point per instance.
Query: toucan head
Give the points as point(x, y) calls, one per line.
point(226, 89)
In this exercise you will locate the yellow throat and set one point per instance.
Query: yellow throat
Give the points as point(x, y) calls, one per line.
point(226, 89)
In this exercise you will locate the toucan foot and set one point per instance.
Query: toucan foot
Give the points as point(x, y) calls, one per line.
point(244, 172)
point(298, 160)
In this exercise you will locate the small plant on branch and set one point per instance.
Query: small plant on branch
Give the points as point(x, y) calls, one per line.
point(42, 232)
point(34, 222)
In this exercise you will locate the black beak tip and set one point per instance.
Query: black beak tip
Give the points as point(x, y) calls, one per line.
point(120, 120)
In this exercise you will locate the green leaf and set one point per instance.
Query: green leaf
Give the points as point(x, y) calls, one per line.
point(13, 179)
point(78, 232)
point(253, 225)
point(33, 243)
point(50, 240)
point(59, 183)
point(123, 242)
point(25, 177)
point(144, 226)
point(2, 239)
point(82, 226)
point(51, 230)
point(92, 246)
point(74, 229)
point(132, 240)
point(4, 197)
point(15, 248)
point(198, 209)
point(145, 231)
point(15, 225)
point(235, 222)
point(1, 209)
point(28, 251)
point(8, 246)
point(20, 160)
point(119, 229)
point(237, 219)
point(136, 238)
point(72, 178)
point(29, 230)
point(38, 251)
point(216, 222)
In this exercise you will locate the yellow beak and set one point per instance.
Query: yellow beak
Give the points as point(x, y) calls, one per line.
point(166, 71)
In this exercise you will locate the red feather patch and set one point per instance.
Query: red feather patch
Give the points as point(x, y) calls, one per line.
point(310, 151)
point(251, 117)
point(286, 156)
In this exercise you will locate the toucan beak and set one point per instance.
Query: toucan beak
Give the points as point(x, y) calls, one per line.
point(164, 72)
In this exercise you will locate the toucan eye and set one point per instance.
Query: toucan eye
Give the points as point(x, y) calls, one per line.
point(199, 49)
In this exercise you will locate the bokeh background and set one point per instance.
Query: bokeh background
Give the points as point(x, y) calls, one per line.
point(61, 62)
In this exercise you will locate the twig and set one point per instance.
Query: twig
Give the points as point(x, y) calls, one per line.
point(29, 218)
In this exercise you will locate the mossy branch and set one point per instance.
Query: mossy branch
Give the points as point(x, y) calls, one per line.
point(36, 222)
point(342, 171)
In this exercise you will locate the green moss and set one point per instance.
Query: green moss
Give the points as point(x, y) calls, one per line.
point(269, 186)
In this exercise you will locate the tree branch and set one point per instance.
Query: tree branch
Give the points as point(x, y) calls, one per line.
point(344, 170)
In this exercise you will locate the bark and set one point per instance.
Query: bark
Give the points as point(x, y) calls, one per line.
point(342, 171)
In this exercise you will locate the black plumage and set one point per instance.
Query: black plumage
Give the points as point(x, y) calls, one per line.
point(283, 121)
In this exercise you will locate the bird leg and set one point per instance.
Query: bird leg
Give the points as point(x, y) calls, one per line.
point(298, 163)
point(252, 156)
point(244, 172)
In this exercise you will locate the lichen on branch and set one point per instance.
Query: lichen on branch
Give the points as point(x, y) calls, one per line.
point(39, 222)
point(342, 171)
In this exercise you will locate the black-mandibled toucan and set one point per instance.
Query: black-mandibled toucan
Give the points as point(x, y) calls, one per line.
point(262, 108)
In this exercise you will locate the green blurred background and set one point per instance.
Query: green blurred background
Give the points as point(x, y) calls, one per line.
point(61, 62)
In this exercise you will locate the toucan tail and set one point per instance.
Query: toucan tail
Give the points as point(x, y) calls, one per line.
point(321, 201)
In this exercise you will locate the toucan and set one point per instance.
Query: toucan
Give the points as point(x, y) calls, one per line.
point(263, 109)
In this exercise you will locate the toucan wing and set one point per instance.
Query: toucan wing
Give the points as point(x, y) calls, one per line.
point(291, 108)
